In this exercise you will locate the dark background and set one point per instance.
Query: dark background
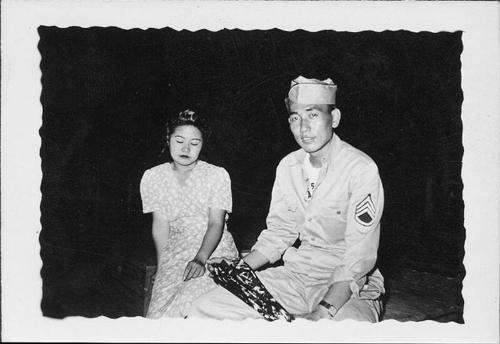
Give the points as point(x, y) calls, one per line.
point(106, 93)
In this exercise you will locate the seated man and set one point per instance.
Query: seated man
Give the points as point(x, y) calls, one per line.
point(329, 195)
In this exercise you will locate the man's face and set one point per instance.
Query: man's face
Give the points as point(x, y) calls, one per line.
point(311, 125)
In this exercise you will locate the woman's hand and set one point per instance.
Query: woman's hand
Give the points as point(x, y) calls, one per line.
point(194, 269)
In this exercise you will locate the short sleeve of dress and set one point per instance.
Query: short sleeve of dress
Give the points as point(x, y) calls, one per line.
point(220, 191)
point(149, 192)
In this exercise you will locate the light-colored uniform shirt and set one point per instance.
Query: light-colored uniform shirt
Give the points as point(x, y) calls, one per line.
point(338, 226)
point(311, 175)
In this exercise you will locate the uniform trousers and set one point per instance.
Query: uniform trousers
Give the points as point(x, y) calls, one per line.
point(222, 304)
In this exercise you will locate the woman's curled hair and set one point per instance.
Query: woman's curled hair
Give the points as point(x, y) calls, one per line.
point(186, 117)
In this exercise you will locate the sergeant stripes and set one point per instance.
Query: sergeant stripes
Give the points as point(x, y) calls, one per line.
point(365, 211)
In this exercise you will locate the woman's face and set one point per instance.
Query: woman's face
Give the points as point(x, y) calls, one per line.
point(185, 145)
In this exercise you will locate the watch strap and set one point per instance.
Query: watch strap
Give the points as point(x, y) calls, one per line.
point(332, 310)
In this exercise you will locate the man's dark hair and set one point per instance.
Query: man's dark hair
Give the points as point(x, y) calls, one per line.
point(287, 104)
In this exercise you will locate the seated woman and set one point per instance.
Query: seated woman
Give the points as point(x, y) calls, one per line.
point(189, 199)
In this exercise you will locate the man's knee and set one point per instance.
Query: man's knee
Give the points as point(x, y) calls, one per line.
point(216, 304)
point(361, 310)
point(200, 307)
point(221, 304)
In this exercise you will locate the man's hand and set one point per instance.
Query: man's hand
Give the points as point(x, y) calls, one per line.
point(194, 269)
point(217, 260)
point(319, 312)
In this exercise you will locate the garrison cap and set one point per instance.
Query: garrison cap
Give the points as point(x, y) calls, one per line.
point(312, 91)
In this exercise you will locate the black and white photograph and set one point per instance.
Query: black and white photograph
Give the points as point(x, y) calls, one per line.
point(191, 164)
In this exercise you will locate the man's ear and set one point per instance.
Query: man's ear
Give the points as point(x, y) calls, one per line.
point(335, 117)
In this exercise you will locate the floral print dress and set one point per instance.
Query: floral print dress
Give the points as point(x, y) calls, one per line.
point(186, 208)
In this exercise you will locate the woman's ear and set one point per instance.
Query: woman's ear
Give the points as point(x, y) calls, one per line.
point(335, 117)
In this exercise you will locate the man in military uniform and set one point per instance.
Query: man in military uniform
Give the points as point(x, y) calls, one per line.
point(329, 195)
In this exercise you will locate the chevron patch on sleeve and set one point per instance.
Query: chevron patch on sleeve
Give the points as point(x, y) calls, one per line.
point(365, 211)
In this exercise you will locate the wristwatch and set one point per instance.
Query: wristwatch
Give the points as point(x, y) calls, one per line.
point(330, 308)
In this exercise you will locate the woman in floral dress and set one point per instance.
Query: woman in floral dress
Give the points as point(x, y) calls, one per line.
point(190, 200)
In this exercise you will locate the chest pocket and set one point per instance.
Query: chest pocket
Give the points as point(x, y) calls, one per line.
point(333, 220)
point(291, 204)
point(284, 212)
point(338, 209)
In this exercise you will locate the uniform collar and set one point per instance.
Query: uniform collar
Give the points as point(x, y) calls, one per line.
point(328, 159)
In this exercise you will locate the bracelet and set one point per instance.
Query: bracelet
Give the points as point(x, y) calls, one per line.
point(332, 310)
